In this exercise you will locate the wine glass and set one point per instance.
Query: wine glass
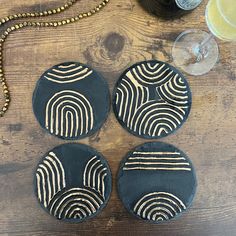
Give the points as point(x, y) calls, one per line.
point(195, 51)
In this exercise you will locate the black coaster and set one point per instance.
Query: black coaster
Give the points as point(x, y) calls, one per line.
point(71, 101)
point(73, 182)
point(156, 182)
point(152, 99)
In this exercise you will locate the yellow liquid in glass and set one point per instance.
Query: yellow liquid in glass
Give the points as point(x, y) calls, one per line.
point(221, 18)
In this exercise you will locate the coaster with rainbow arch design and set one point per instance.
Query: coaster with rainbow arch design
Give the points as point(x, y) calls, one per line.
point(152, 99)
point(156, 182)
point(73, 182)
point(71, 101)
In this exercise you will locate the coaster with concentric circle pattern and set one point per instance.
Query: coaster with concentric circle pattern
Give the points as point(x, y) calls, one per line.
point(71, 100)
point(73, 182)
point(152, 99)
point(156, 182)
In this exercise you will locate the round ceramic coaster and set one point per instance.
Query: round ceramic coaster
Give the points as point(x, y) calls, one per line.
point(73, 182)
point(152, 99)
point(71, 100)
point(156, 182)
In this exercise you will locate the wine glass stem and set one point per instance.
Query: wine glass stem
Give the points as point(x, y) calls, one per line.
point(201, 50)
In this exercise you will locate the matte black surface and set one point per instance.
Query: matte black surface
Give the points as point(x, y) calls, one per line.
point(152, 99)
point(174, 174)
point(87, 178)
point(71, 101)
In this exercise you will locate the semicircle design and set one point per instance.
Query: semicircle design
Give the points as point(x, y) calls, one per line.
point(152, 99)
point(71, 101)
point(156, 182)
point(69, 113)
point(159, 204)
point(69, 73)
point(73, 182)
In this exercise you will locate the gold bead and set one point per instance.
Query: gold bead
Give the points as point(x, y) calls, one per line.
point(80, 16)
point(54, 11)
point(55, 24)
point(59, 23)
point(68, 21)
point(4, 109)
point(63, 22)
point(6, 104)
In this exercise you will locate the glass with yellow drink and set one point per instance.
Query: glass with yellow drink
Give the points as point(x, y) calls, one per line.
point(196, 51)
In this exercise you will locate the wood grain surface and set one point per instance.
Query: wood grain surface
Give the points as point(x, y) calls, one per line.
point(120, 35)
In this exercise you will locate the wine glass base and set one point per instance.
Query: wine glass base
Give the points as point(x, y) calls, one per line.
point(186, 54)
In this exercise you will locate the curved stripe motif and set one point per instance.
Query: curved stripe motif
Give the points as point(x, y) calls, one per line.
point(76, 203)
point(68, 73)
point(50, 177)
point(94, 175)
point(74, 184)
point(159, 206)
point(69, 114)
point(152, 99)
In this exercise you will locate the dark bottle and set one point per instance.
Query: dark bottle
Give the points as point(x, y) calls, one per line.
point(169, 8)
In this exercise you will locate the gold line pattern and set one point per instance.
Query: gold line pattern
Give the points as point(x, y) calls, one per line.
point(94, 175)
point(63, 74)
point(159, 206)
point(80, 200)
point(150, 116)
point(162, 161)
point(69, 114)
point(50, 177)
point(68, 203)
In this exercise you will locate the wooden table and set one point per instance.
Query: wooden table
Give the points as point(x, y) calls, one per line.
point(117, 37)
